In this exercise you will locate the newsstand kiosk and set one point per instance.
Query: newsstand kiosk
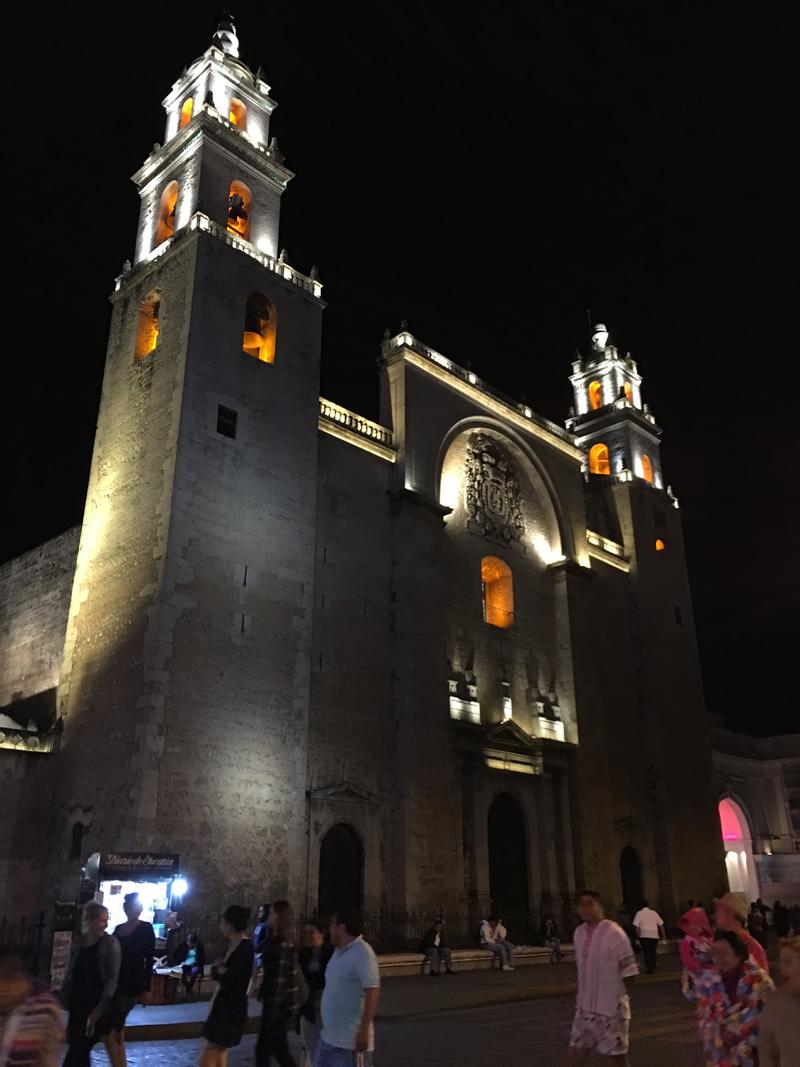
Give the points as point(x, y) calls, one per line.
point(155, 876)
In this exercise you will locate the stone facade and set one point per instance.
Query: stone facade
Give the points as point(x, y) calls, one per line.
point(284, 618)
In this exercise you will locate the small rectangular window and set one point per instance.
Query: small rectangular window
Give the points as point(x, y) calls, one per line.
point(678, 615)
point(226, 421)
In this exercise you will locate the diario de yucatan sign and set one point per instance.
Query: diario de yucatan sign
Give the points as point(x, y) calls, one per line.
point(156, 865)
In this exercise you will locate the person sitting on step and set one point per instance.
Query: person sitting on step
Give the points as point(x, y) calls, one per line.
point(436, 949)
point(502, 949)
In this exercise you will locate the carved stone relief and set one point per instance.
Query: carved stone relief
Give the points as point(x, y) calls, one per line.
point(492, 490)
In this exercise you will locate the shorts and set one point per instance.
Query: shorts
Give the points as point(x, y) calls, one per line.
point(607, 1034)
point(329, 1056)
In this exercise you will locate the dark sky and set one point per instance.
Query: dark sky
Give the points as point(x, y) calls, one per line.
point(489, 179)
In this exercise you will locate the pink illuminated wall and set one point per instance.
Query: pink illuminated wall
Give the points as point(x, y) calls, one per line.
point(732, 829)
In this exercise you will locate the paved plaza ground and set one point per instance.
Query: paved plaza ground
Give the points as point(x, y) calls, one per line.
point(518, 1034)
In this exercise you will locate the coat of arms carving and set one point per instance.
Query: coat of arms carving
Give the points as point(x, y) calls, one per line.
point(492, 490)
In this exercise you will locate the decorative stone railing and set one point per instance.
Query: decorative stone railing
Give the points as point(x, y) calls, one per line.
point(612, 547)
point(356, 423)
point(407, 340)
point(200, 221)
point(376, 438)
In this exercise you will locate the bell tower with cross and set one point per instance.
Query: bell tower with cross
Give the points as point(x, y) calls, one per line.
point(190, 621)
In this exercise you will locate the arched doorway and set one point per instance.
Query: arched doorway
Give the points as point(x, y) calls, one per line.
point(630, 873)
point(737, 839)
point(341, 870)
point(508, 866)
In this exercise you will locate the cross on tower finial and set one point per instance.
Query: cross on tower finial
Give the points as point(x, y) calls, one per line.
point(225, 37)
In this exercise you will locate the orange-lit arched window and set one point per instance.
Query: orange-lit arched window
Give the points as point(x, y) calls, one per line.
point(260, 328)
point(498, 592)
point(237, 114)
point(166, 213)
point(628, 390)
point(598, 459)
point(647, 469)
point(186, 111)
point(147, 324)
point(240, 201)
point(660, 545)
point(595, 396)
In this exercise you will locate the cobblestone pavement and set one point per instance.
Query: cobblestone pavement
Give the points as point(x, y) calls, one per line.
point(530, 1034)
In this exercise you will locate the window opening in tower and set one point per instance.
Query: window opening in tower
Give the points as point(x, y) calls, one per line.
point(239, 200)
point(260, 328)
point(598, 459)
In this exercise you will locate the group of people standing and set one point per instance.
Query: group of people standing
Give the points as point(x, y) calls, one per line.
point(329, 991)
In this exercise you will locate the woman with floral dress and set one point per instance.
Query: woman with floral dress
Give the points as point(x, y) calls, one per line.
point(730, 999)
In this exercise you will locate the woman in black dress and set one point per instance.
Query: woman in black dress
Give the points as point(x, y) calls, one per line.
point(90, 986)
point(226, 1020)
point(137, 941)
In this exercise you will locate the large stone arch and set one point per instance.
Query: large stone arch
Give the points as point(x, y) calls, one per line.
point(531, 467)
point(737, 839)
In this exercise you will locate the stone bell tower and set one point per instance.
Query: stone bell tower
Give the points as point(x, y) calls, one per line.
point(661, 749)
point(185, 683)
point(610, 419)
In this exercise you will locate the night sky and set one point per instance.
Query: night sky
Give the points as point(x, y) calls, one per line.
point(489, 180)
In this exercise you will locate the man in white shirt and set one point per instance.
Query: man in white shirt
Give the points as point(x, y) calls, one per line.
point(605, 959)
point(649, 929)
point(349, 999)
point(502, 949)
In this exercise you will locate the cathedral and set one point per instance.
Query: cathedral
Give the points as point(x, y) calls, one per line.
point(445, 661)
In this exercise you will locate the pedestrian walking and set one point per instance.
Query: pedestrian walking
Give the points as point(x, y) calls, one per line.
point(31, 1019)
point(137, 941)
point(730, 1000)
point(350, 997)
point(226, 1020)
point(313, 958)
point(730, 913)
point(695, 947)
point(548, 932)
point(779, 1043)
point(605, 960)
point(279, 992)
point(649, 928)
point(499, 949)
point(89, 990)
point(436, 949)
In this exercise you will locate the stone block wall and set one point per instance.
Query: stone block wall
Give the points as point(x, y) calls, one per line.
point(35, 591)
point(228, 674)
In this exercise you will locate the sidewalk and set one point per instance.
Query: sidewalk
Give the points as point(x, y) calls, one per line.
point(402, 997)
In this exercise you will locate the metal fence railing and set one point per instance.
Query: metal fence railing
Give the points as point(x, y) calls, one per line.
point(26, 936)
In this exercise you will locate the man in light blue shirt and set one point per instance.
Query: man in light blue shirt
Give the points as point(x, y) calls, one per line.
point(350, 997)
